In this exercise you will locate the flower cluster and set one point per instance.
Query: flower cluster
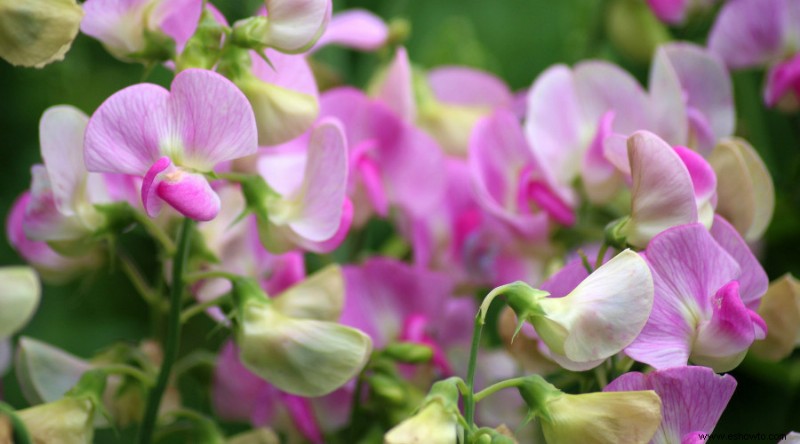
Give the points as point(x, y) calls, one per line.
point(340, 236)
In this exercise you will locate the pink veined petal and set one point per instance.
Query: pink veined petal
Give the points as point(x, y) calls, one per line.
point(706, 84)
point(669, 11)
point(554, 132)
point(615, 150)
point(190, 194)
point(753, 280)
point(460, 85)
point(322, 194)
point(498, 155)
point(692, 399)
point(294, 25)
point(283, 169)
point(331, 244)
point(355, 28)
point(208, 120)
point(727, 334)
point(668, 101)
point(396, 88)
point(118, 24)
point(150, 201)
point(783, 79)
point(43, 221)
point(118, 138)
point(688, 268)
point(749, 32)
point(704, 180)
point(662, 194)
point(61, 132)
point(235, 390)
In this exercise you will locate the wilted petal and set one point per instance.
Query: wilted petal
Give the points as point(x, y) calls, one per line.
point(692, 399)
point(663, 195)
point(745, 193)
point(749, 32)
point(37, 32)
point(355, 28)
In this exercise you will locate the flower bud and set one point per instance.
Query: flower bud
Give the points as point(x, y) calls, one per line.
point(19, 296)
point(409, 352)
point(305, 357)
point(745, 193)
point(434, 423)
point(634, 30)
point(780, 309)
point(626, 417)
point(37, 32)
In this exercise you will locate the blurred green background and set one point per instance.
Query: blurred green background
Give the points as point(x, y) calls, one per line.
point(515, 39)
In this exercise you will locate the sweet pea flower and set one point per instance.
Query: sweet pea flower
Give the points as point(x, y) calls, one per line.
point(391, 162)
point(752, 33)
point(141, 29)
point(692, 400)
point(595, 320)
point(511, 184)
point(309, 206)
point(708, 286)
point(445, 102)
point(37, 32)
point(172, 138)
point(671, 187)
point(288, 26)
point(675, 12)
point(745, 192)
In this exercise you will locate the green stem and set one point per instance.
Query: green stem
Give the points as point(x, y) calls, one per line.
point(127, 370)
point(469, 399)
point(21, 434)
point(494, 388)
point(154, 230)
point(209, 274)
point(173, 334)
point(135, 276)
point(601, 254)
point(196, 309)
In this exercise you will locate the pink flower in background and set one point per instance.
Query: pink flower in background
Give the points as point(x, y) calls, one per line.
point(311, 209)
point(752, 33)
point(354, 28)
point(172, 138)
point(293, 26)
point(511, 184)
point(707, 289)
point(692, 400)
point(391, 162)
point(129, 28)
point(675, 12)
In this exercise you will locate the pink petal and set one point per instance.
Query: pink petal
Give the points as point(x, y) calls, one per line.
point(118, 24)
point(152, 204)
point(688, 267)
point(302, 416)
point(61, 132)
point(749, 32)
point(118, 137)
point(322, 193)
point(662, 194)
point(396, 88)
point(554, 131)
point(723, 339)
point(208, 117)
point(190, 194)
point(692, 398)
point(235, 390)
point(707, 86)
point(460, 85)
point(600, 177)
point(668, 101)
point(704, 179)
point(333, 243)
point(753, 279)
point(783, 79)
point(355, 28)
point(43, 221)
point(178, 19)
point(287, 71)
point(669, 11)
point(294, 25)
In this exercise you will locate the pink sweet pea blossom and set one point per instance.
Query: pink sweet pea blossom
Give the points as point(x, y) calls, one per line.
point(675, 12)
point(293, 26)
point(692, 400)
point(708, 286)
point(391, 162)
point(354, 28)
point(511, 184)
point(750, 33)
point(127, 28)
point(172, 138)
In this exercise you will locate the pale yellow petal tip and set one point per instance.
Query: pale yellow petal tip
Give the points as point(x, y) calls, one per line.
point(34, 33)
point(256, 436)
point(433, 424)
point(66, 421)
point(606, 417)
point(20, 293)
point(780, 309)
point(281, 113)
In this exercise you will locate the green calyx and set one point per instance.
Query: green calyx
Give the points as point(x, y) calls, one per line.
point(537, 392)
point(521, 297)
